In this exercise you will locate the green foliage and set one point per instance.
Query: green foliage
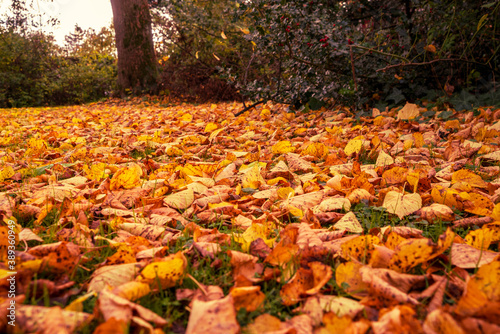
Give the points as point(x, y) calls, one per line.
point(373, 51)
point(203, 48)
point(35, 71)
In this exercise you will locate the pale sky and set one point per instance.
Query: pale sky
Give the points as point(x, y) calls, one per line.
point(86, 13)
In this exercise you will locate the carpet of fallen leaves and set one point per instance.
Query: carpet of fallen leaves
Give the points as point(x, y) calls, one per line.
point(124, 214)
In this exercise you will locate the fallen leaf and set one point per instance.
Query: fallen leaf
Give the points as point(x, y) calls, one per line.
point(402, 205)
point(413, 252)
point(408, 112)
point(216, 316)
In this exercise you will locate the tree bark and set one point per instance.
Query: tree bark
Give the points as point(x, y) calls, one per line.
point(137, 71)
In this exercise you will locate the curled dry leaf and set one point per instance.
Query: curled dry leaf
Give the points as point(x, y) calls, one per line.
point(390, 284)
point(113, 306)
point(248, 297)
point(436, 212)
point(358, 195)
point(305, 282)
point(438, 320)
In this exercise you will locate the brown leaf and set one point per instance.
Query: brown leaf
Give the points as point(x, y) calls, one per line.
point(390, 284)
point(216, 316)
point(113, 306)
point(468, 257)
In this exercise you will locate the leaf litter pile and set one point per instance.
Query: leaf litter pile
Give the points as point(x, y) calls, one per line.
point(143, 217)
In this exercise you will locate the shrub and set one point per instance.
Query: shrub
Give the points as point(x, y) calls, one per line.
point(34, 71)
point(365, 51)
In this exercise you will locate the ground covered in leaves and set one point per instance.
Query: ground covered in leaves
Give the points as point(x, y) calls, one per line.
point(144, 216)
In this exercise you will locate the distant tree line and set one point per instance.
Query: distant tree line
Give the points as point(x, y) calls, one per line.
point(308, 53)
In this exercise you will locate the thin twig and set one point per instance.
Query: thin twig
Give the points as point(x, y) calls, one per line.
point(249, 107)
point(353, 71)
point(380, 52)
point(428, 63)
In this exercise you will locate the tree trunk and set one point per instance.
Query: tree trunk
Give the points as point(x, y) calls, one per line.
point(137, 71)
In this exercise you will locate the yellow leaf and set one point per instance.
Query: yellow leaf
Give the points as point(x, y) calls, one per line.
point(335, 324)
point(407, 144)
point(358, 195)
point(245, 31)
point(408, 112)
point(395, 175)
point(187, 117)
point(282, 147)
point(223, 35)
point(445, 196)
point(466, 176)
point(495, 214)
point(253, 179)
point(295, 211)
point(77, 304)
point(413, 178)
point(379, 121)
point(127, 177)
point(402, 205)
point(353, 146)
point(347, 277)
point(453, 124)
point(6, 173)
point(384, 159)
point(124, 254)
point(418, 139)
point(318, 150)
point(285, 193)
point(482, 289)
point(252, 233)
point(180, 200)
point(210, 127)
point(248, 297)
point(481, 205)
point(393, 240)
point(96, 171)
point(349, 223)
point(167, 273)
point(413, 252)
point(480, 239)
point(132, 290)
point(265, 113)
point(360, 247)
point(332, 204)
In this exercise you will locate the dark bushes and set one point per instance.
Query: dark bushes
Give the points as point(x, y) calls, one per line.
point(35, 72)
